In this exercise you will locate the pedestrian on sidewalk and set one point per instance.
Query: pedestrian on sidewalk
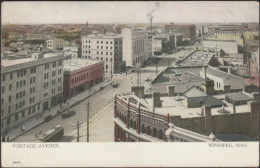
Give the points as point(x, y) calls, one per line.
point(23, 128)
point(7, 138)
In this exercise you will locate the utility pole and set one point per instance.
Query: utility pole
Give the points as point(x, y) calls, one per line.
point(88, 121)
point(78, 131)
point(111, 69)
point(139, 118)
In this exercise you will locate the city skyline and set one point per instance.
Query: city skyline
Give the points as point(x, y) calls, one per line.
point(130, 12)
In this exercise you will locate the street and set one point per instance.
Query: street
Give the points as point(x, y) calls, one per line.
point(101, 107)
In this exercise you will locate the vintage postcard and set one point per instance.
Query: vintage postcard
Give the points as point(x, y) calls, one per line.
point(78, 78)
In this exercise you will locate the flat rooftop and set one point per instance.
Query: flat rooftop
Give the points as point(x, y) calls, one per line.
point(110, 36)
point(78, 63)
point(7, 62)
point(175, 107)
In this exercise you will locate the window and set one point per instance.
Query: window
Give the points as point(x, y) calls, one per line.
point(97, 47)
point(97, 58)
point(16, 117)
point(106, 66)
point(97, 41)
point(60, 63)
point(3, 89)
point(8, 121)
point(106, 42)
point(101, 42)
point(10, 98)
point(101, 53)
point(106, 53)
point(111, 48)
point(106, 47)
point(54, 64)
point(53, 73)
point(46, 66)
point(11, 75)
point(97, 52)
point(23, 113)
point(101, 47)
point(33, 70)
point(10, 86)
point(106, 59)
point(155, 132)
point(3, 79)
point(143, 128)
point(149, 130)
point(111, 42)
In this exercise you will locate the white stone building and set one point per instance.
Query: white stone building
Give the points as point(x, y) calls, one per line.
point(29, 87)
point(137, 46)
point(107, 48)
point(229, 46)
point(55, 43)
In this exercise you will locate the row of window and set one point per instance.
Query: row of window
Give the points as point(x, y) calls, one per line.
point(17, 115)
point(54, 64)
point(120, 42)
point(143, 130)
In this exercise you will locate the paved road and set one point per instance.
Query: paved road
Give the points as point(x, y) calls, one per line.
point(101, 111)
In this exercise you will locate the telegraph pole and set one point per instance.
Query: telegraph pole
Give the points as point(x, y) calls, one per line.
point(88, 121)
point(78, 131)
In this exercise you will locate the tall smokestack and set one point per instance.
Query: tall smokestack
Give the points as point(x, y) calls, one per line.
point(151, 22)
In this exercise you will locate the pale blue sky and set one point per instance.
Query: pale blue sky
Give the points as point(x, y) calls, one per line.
point(129, 12)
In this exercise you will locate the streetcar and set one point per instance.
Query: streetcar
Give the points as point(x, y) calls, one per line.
point(51, 135)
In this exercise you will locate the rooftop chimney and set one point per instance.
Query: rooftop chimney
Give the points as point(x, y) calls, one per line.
point(234, 108)
point(171, 89)
point(229, 70)
point(204, 72)
point(156, 99)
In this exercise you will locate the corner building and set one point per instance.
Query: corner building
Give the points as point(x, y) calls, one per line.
point(29, 87)
point(106, 48)
point(81, 74)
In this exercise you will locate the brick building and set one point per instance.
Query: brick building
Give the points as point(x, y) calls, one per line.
point(81, 74)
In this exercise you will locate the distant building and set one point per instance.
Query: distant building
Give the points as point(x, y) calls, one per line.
point(56, 44)
point(70, 52)
point(222, 80)
point(227, 29)
point(29, 87)
point(137, 45)
point(178, 39)
point(107, 48)
point(229, 46)
point(255, 57)
point(163, 43)
point(188, 30)
point(81, 74)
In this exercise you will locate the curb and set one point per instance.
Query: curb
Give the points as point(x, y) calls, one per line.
point(72, 105)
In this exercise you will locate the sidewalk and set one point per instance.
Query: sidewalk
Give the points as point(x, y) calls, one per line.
point(36, 120)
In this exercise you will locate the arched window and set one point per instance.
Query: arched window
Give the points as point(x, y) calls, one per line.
point(143, 129)
point(161, 134)
point(155, 132)
point(131, 123)
point(148, 130)
point(134, 124)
